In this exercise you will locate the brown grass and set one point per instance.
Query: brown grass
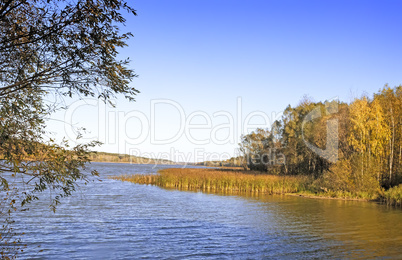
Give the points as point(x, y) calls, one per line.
point(222, 180)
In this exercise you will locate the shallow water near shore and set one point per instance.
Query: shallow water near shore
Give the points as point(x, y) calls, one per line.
point(121, 220)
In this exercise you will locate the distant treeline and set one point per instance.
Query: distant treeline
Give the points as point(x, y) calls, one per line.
point(232, 162)
point(366, 152)
point(125, 158)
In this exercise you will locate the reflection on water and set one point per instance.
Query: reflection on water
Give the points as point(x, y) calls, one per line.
point(113, 219)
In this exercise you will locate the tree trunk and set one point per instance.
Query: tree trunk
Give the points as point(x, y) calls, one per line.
point(391, 156)
point(400, 146)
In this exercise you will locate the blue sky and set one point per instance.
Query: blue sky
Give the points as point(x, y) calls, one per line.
point(208, 56)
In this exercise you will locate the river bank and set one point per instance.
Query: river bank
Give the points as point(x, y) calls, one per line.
point(237, 181)
point(126, 158)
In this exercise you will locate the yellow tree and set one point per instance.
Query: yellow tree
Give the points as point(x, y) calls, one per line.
point(391, 106)
point(398, 95)
point(379, 132)
point(359, 136)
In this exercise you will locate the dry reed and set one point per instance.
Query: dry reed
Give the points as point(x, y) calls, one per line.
point(220, 180)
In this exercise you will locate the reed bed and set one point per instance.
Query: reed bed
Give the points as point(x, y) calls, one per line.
point(393, 196)
point(221, 180)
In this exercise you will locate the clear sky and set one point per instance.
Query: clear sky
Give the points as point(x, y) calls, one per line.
point(231, 66)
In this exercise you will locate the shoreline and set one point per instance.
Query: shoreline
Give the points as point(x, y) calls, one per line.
point(137, 163)
point(237, 182)
point(311, 196)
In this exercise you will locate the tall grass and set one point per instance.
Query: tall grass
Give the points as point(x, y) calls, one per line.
point(236, 181)
point(220, 180)
point(393, 196)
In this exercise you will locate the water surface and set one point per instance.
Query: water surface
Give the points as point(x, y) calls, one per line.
point(121, 220)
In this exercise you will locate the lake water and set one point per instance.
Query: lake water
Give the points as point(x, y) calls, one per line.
point(120, 220)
